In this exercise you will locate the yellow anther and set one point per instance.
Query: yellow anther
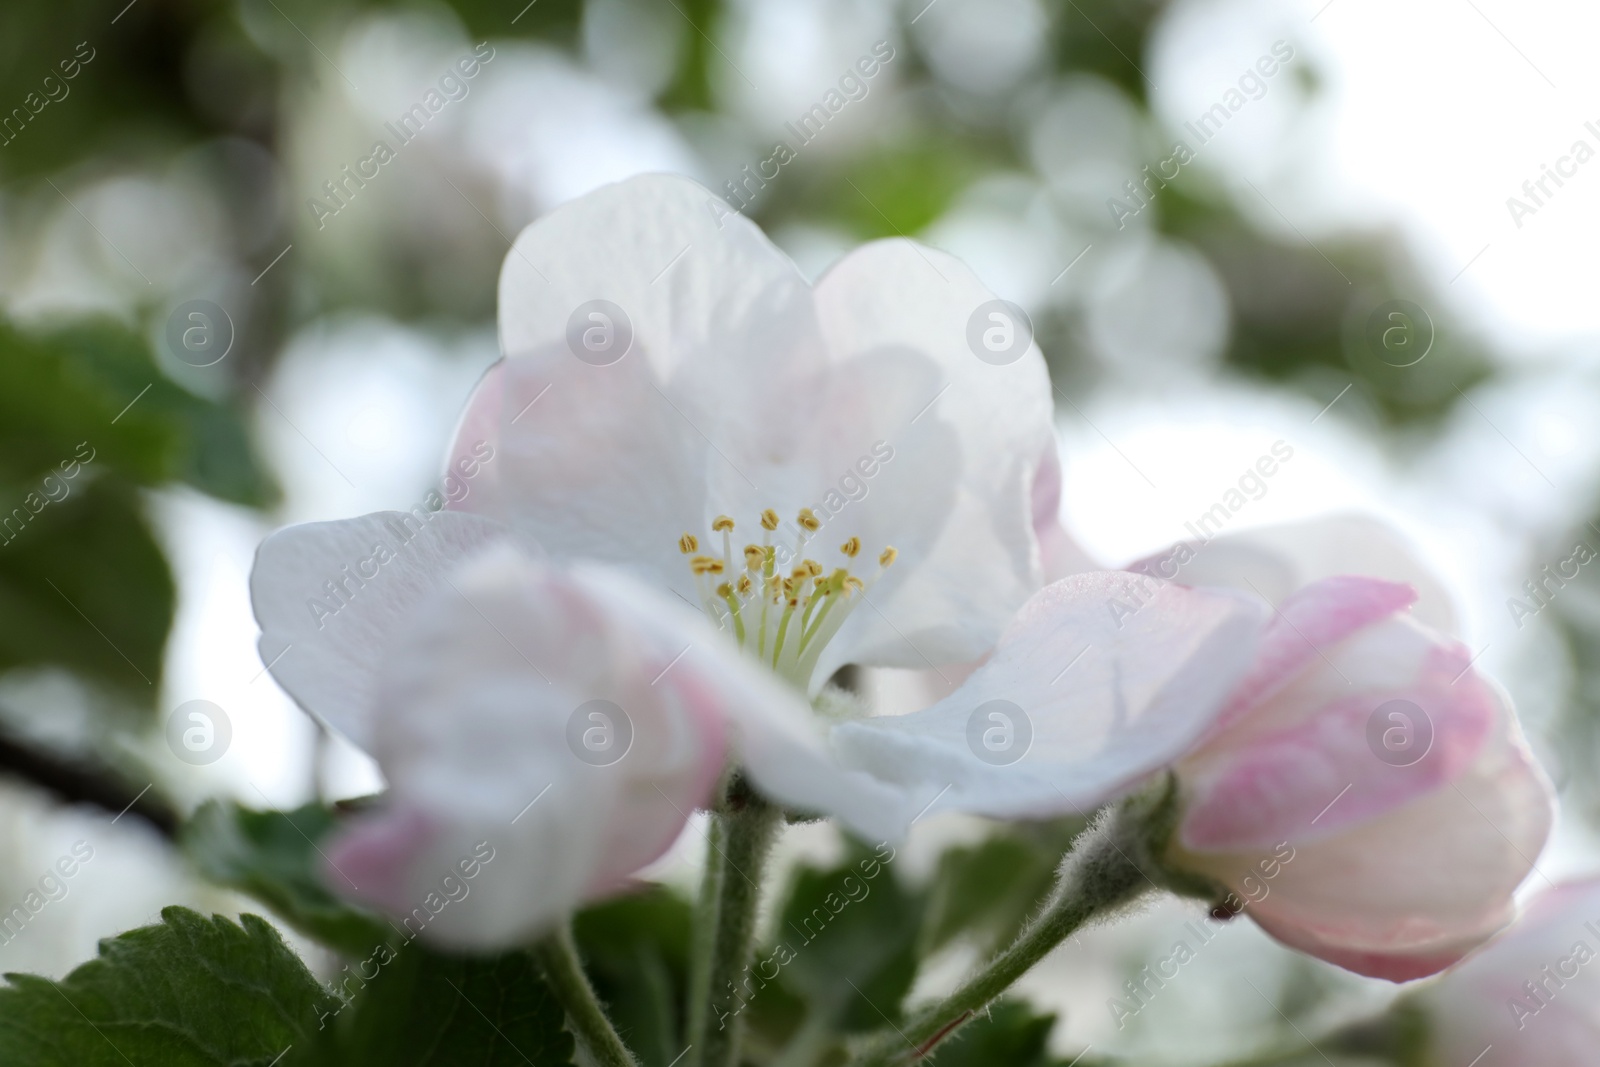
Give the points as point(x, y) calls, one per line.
point(724, 589)
point(753, 555)
point(852, 547)
point(888, 556)
point(706, 565)
point(721, 522)
point(688, 544)
point(769, 519)
point(811, 566)
point(852, 582)
point(808, 520)
point(744, 585)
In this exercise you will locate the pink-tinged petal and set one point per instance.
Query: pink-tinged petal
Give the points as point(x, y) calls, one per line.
point(1113, 675)
point(1484, 1004)
point(1390, 966)
point(1305, 626)
point(519, 708)
point(1415, 887)
point(1059, 554)
point(369, 859)
point(596, 463)
point(331, 596)
point(1322, 774)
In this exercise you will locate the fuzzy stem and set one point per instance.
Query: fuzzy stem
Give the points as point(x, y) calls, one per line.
point(748, 825)
point(557, 955)
point(1096, 877)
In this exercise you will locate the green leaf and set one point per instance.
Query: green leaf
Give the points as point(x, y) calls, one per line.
point(847, 941)
point(94, 389)
point(410, 1006)
point(636, 952)
point(83, 585)
point(985, 892)
point(273, 856)
point(1010, 1033)
point(192, 992)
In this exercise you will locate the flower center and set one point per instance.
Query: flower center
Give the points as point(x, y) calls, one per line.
point(785, 621)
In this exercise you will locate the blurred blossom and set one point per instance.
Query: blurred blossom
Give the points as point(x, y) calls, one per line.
point(547, 130)
point(112, 244)
point(787, 55)
point(1204, 52)
point(1156, 308)
point(1528, 999)
point(359, 412)
point(1003, 228)
point(212, 656)
point(1525, 450)
point(393, 58)
point(980, 46)
point(1086, 123)
point(128, 877)
point(634, 43)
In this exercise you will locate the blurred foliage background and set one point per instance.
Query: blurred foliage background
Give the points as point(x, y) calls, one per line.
point(177, 164)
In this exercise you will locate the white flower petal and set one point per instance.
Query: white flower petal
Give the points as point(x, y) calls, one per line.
point(777, 739)
point(977, 432)
point(1113, 675)
point(743, 389)
point(330, 596)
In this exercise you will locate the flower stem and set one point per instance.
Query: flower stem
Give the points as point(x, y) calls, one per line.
point(1096, 877)
point(742, 834)
point(557, 955)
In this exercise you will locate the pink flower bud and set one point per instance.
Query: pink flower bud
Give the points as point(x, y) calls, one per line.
point(1366, 792)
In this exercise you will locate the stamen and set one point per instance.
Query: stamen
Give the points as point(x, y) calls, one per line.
point(790, 645)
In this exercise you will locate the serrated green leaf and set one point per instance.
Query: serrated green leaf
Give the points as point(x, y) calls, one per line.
point(84, 586)
point(636, 952)
point(272, 855)
point(421, 1008)
point(191, 992)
